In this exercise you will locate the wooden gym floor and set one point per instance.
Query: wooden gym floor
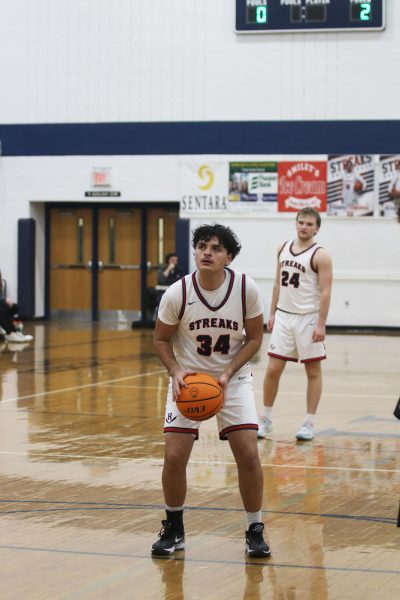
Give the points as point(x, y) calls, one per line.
point(81, 450)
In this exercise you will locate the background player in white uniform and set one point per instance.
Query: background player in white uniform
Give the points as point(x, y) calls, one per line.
point(211, 321)
point(353, 184)
point(299, 309)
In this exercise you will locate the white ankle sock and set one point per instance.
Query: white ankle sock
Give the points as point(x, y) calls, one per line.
point(253, 517)
point(173, 508)
point(267, 412)
point(309, 417)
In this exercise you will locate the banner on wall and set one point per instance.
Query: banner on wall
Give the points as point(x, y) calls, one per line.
point(255, 184)
point(203, 187)
point(388, 174)
point(301, 183)
point(344, 185)
point(351, 180)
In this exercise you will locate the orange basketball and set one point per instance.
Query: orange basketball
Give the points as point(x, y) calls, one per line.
point(201, 399)
point(358, 186)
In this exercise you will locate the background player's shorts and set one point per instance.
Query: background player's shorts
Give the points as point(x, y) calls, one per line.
point(291, 338)
point(238, 411)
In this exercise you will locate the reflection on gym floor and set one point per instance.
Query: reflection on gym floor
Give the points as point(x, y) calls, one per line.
point(81, 451)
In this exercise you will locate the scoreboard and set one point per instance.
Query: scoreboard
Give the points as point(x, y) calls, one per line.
point(281, 16)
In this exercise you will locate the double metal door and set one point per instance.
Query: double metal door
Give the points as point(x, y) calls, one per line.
point(102, 259)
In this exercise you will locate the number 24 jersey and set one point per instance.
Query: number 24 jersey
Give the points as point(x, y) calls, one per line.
point(299, 290)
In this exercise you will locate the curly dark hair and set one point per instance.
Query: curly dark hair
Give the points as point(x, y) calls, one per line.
point(225, 236)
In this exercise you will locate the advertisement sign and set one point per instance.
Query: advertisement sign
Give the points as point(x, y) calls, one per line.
point(344, 185)
point(351, 185)
point(388, 174)
point(203, 187)
point(253, 182)
point(300, 184)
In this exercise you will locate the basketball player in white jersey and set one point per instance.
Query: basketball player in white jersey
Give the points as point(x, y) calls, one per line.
point(299, 309)
point(353, 184)
point(211, 321)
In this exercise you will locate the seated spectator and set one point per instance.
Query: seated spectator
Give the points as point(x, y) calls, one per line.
point(10, 326)
point(166, 276)
point(170, 272)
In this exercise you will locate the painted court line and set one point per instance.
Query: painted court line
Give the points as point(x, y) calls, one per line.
point(197, 462)
point(332, 395)
point(158, 372)
point(287, 466)
point(336, 395)
point(81, 387)
point(97, 553)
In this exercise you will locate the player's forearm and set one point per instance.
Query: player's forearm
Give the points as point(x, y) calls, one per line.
point(274, 301)
point(324, 308)
point(245, 354)
point(166, 354)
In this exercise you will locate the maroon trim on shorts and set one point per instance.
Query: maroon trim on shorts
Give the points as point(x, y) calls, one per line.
point(283, 357)
point(307, 360)
point(194, 432)
point(223, 434)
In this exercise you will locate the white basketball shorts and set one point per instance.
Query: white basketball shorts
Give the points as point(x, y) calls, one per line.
point(291, 338)
point(238, 411)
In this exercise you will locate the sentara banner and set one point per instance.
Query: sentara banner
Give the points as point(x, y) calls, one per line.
point(203, 187)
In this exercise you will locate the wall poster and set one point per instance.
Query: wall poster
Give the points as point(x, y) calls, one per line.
point(351, 180)
point(255, 183)
point(203, 187)
point(301, 183)
point(388, 174)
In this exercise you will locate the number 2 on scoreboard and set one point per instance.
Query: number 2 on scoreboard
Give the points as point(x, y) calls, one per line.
point(365, 11)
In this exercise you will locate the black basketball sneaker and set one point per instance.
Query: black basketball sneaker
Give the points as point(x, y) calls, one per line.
point(172, 537)
point(255, 544)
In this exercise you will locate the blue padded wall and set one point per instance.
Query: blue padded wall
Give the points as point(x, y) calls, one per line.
point(26, 267)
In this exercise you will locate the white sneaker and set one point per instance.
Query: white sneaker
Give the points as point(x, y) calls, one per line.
point(13, 347)
point(306, 431)
point(17, 336)
point(264, 427)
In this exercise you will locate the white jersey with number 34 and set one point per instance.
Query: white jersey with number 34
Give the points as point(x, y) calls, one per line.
point(210, 324)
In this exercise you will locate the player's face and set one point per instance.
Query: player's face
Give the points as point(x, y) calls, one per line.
point(211, 256)
point(348, 166)
point(306, 227)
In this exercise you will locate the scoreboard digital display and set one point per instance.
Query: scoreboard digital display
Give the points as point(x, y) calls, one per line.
point(280, 16)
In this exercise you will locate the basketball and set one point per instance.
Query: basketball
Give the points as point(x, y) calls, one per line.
point(202, 399)
point(358, 186)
